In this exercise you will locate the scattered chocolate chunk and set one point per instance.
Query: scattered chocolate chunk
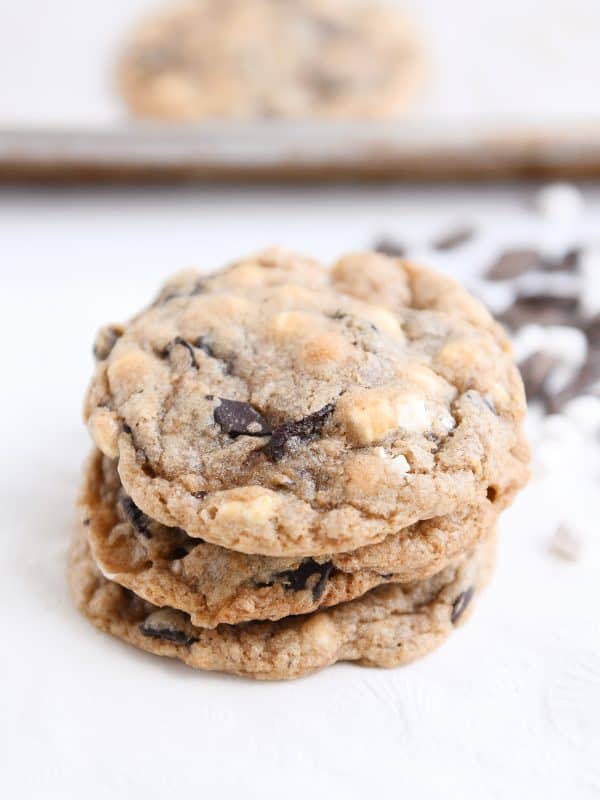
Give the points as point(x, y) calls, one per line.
point(386, 575)
point(585, 381)
point(159, 625)
point(541, 310)
point(592, 331)
point(297, 580)
point(240, 419)
point(535, 370)
point(179, 341)
point(460, 605)
point(105, 341)
point(305, 428)
point(453, 239)
point(135, 517)
point(513, 263)
point(568, 262)
point(389, 247)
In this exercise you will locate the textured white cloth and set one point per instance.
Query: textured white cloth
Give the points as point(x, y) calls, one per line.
point(509, 707)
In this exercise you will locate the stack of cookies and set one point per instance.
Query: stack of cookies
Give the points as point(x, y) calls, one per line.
point(296, 466)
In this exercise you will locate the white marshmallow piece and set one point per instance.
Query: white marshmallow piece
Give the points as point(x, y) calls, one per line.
point(560, 202)
point(567, 542)
point(589, 271)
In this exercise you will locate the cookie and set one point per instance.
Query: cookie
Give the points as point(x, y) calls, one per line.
point(213, 585)
point(271, 58)
point(280, 409)
point(389, 626)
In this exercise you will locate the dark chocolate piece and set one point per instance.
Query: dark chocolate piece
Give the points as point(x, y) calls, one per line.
point(167, 634)
point(535, 370)
point(542, 310)
point(179, 341)
point(203, 345)
point(513, 263)
point(305, 428)
point(297, 579)
point(389, 247)
point(453, 239)
point(460, 605)
point(105, 341)
point(568, 262)
point(135, 517)
point(240, 419)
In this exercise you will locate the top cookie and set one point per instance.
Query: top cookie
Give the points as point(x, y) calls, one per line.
point(280, 409)
point(266, 58)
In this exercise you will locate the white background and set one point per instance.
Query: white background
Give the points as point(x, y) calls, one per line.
point(522, 59)
point(509, 707)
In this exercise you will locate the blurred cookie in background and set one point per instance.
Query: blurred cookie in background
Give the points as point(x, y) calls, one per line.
point(202, 59)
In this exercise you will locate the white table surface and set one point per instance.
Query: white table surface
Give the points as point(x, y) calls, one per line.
point(509, 707)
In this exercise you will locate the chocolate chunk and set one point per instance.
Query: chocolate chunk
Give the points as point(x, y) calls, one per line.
point(135, 517)
point(568, 262)
point(389, 247)
point(179, 341)
point(460, 604)
point(165, 632)
point(587, 378)
point(592, 331)
point(454, 238)
point(203, 345)
point(105, 341)
point(541, 309)
point(326, 84)
point(240, 419)
point(386, 575)
point(488, 401)
point(183, 544)
point(311, 425)
point(166, 296)
point(513, 263)
point(535, 370)
point(296, 580)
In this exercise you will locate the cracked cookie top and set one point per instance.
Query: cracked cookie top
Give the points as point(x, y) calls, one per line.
point(271, 58)
point(275, 407)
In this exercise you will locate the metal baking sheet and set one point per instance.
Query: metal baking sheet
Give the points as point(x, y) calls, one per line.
point(510, 91)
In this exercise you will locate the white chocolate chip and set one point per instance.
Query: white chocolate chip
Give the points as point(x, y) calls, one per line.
point(320, 631)
point(398, 464)
point(253, 508)
point(104, 430)
point(412, 415)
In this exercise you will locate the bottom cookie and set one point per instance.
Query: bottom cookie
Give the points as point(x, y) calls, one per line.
point(389, 626)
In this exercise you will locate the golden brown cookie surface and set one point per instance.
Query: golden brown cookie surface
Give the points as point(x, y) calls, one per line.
point(277, 408)
point(271, 58)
